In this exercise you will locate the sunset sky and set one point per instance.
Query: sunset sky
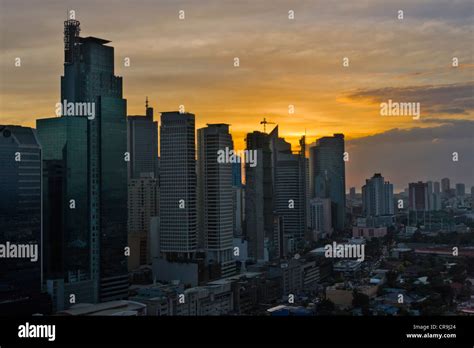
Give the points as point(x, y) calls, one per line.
point(282, 62)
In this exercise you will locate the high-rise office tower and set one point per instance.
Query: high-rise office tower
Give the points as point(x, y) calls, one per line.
point(89, 140)
point(259, 218)
point(418, 196)
point(460, 190)
point(178, 210)
point(215, 197)
point(143, 144)
point(143, 202)
point(20, 218)
point(289, 183)
point(436, 187)
point(429, 185)
point(327, 175)
point(377, 196)
point(445, 186)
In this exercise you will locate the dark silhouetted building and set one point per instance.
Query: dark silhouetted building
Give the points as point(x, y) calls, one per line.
point(327, 175)
point(90, 150)
point(418, 196)
point(20, 220)
point(143, 144)
point(259, 198)
point(215, 196)
point(289, 183)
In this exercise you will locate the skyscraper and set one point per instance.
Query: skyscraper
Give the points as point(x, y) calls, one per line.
point(377, 196)
point(20, 216)
point(91, 147)
point(445, 186)
point(460, 190)
point(143, 144)
point(327, 175)
point(352, 193)
point(259, 218)
point(418, 196)
point(215, 196)
point(289, 173)
point(429, 185)
point(178, 210)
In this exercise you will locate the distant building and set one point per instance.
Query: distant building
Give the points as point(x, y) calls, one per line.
point(112, 308)
point(445, 186)
point(320, 214)
point(460, 190)
point(377, 196)
point(143, 144)
point(327, 175)
point(418, 196)
point(369, 232)
point(143, 203)
point(352, 193)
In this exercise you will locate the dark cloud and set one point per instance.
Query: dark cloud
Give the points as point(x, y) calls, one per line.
point(457, 98)
point(404, 156)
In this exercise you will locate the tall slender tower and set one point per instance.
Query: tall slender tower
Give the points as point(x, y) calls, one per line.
point(178, 210)
point(215, 196)
point(289, 172)
point(92, 149)
point(327, 175)
point(259, 218)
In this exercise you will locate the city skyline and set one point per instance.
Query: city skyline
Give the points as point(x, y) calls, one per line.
point(327, 97)
point(195, 201)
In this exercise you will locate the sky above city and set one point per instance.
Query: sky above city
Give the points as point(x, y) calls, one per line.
point(282, 62)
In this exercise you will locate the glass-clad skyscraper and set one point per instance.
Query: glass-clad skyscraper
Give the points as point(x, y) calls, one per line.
point(89, 149)
point(327, 175)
